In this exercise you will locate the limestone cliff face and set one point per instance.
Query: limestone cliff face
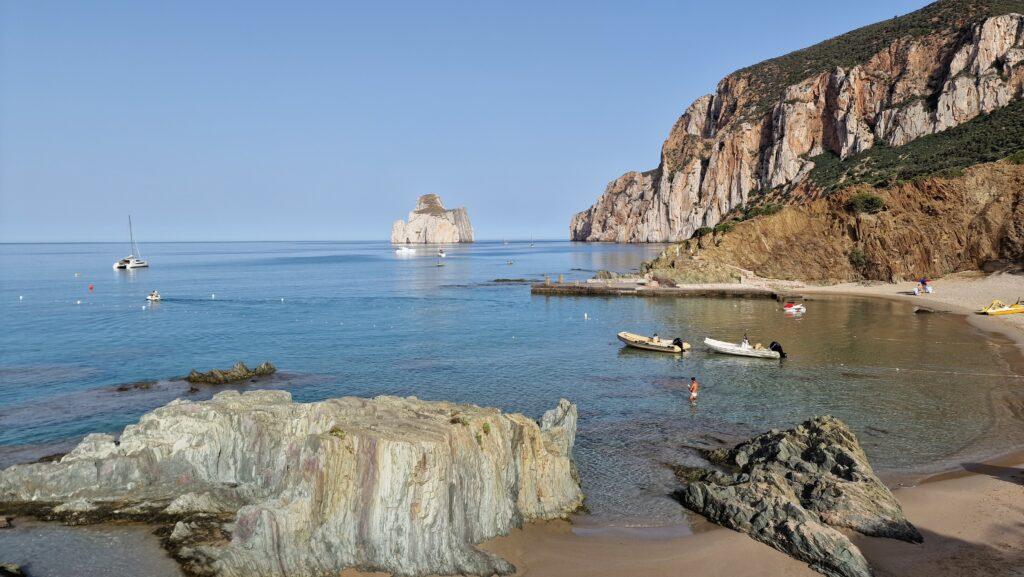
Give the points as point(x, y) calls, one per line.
point(431, 223)
point(747, 139)
point(932, 227)
point(258, 486)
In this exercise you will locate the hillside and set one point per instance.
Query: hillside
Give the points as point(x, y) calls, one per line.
point(882, 104)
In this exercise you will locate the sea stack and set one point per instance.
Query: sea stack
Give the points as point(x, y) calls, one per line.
point(431, 223)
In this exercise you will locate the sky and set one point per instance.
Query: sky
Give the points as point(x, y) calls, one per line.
point(326, 120)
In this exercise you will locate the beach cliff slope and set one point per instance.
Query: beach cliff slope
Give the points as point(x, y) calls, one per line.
point(257, 485)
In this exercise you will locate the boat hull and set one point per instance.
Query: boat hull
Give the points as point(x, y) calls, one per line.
point(740, 351)
point(645, 343)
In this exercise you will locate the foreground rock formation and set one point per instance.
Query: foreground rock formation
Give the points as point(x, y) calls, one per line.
point(930, 227)
point(256, 485)
point(239, 372)
point(792, 489)
point(885, 84)
point(431, 223)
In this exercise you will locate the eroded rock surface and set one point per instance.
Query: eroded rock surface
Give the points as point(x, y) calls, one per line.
point(254, 484)
point(432, 223)
point(792, 489)
point(729, 147)
point(238, 372)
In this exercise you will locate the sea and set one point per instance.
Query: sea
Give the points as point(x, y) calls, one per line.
point(81, 350)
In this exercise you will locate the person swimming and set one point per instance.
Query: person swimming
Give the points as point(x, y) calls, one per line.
point(694, 387)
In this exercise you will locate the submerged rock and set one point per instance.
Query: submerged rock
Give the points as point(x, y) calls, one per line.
point(256, 485)
point(239, 372)
point(792, 489)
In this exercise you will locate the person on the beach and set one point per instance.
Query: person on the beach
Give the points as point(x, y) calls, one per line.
point(654, 338)
point(694, 387)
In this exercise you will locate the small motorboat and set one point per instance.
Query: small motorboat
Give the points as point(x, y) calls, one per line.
point(405, 251)
point(794, 308)
point(441, 253)
point(999, 308)
point(153, 297)
point(745, 349)
point(653, 343)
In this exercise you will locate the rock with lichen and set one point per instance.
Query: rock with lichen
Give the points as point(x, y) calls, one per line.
point(238, 372)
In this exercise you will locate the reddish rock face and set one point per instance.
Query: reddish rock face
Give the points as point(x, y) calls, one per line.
point(729, 147)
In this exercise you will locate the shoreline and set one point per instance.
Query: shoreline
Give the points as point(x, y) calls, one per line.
point(969, 515)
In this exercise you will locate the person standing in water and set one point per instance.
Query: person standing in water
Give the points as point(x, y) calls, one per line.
point(694, 387)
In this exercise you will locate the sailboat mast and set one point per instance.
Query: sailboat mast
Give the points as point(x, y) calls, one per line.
point(131, 235)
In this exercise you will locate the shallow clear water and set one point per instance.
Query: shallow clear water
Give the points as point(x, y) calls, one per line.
point(921, 390)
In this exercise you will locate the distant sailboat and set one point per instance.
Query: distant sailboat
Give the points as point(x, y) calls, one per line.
point(531, 241)
point(133, 260)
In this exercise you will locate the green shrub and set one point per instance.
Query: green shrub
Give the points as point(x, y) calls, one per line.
point(458, 420)
point(703, 231)
point(487, 428)
point(986, 138)
point(724, 227)
point(858, 259)
point(865, 202)
point(336, 431)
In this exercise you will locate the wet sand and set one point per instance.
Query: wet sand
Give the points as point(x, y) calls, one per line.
point(111, 550)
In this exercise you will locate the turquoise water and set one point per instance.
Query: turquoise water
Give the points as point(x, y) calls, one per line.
point(355, 319)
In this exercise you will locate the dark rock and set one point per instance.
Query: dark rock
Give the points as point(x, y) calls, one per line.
point(5, 522)
point(792, 489)
point(137, 386)
point(239, 372)
point(11, 570)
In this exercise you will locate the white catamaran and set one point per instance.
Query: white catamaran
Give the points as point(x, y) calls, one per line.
point(133, 260)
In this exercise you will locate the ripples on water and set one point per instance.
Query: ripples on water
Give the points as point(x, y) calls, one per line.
point(921, 390)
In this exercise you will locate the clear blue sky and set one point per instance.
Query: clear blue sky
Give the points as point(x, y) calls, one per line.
point(325, 120)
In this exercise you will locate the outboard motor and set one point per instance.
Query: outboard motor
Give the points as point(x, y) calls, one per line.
point(678, 342)
point(777, 348)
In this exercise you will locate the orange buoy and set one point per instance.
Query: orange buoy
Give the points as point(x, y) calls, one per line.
point(90, 286)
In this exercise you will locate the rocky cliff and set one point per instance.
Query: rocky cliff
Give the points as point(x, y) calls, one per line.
point(764, 129)
point(256, 485)
point(927, 226)
point(431, 223)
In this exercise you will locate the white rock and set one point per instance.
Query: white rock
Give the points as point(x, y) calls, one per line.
point(391, 484)
point(430, 222)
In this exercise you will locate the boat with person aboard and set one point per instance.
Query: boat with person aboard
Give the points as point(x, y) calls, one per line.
point(745, 349)
point(653, 343)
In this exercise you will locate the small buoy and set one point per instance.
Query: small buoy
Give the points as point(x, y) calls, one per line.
point(78, 274)
point(21, 297)
point(78, 302)
point(90, 286)
point(586, 317)
point(213, 296)
point(282, 300)
point(143, 307)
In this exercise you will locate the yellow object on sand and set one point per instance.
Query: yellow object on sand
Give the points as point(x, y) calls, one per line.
point(651, 344)
point(998, 308)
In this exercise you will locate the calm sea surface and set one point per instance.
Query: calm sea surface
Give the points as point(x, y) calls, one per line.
point(352, 318)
